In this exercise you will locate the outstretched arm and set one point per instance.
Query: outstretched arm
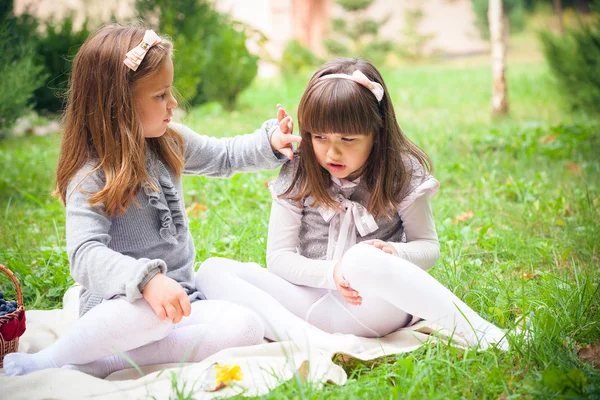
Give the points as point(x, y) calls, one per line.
point(267, 148)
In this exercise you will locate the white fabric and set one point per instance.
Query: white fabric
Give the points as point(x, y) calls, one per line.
point(393, 290)
point(117, 326)
point(265, 366)
point(422, 247)
point(220, 278)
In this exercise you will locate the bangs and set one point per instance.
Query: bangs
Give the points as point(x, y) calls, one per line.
point(339, 106)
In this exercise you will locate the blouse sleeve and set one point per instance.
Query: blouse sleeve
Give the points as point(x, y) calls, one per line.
point(223, 157)
point(422, 247)
point(282, 254)
point(284, 227)
point(93, 265)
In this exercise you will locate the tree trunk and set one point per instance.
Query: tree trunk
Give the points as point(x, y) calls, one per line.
point(498, 49)
point(558, 10)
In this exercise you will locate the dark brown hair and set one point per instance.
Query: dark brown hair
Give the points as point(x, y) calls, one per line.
point(344, 106)
point(101, 122)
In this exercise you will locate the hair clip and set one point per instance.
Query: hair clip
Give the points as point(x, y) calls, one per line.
point(358, 77)
point(134, 57)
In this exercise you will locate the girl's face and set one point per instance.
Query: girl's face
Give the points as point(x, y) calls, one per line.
point(341, 154)
point(154, 101)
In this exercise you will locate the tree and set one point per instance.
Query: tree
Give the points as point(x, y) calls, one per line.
point(558, 10)
point(498, 50)
point(358, 35)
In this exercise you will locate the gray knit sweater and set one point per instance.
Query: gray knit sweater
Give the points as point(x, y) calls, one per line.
point(117, 256)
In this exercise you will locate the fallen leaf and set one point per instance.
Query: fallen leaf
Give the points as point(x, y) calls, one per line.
point(195, 209)
point(303, 370)
point(463, 217)
point(527, 275)
point(573, 168)
point(548, 139)
point(591, 354)
point(228, 372)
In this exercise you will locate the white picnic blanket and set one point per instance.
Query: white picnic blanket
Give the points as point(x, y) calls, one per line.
point(264, 366)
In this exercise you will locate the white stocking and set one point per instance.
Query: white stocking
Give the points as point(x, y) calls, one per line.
point(374, 273)
point(112, 326)
point(281, 305)
point(214, 325)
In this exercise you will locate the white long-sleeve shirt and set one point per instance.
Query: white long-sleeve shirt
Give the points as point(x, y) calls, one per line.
point(285, 226)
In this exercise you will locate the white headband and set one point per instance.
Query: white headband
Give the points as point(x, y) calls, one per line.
point(361, 78)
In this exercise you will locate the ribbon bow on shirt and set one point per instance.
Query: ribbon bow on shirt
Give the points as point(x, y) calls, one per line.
point(344, 222)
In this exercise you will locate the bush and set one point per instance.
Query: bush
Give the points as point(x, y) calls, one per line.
point(19, 74)
point(211, 58)
point(229, 67)
point(297, 59)
point(358, 35)
point(574, 60)
point(56, 49)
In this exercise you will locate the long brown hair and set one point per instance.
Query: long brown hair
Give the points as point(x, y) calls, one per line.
point(100, 120)
point(343, 106)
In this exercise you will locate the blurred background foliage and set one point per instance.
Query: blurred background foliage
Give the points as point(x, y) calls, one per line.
point(213, 63)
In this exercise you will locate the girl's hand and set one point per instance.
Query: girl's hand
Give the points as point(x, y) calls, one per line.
point(343, 286)
point(167, 298)
point(386, 247)
point(282, 138)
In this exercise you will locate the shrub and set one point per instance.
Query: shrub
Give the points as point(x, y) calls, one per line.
point(297, 58)
point(211, 59)
point(56, 49)
point(19, 74)
point(358, 35)
point(574, 60)
point(229, 67)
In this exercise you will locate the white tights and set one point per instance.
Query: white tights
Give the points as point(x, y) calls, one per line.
point(392, 290)
point(97, 341)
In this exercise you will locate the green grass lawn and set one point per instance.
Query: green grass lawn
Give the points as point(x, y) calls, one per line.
point(531, 247)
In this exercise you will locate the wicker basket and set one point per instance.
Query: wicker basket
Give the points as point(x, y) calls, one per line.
point(10, 346)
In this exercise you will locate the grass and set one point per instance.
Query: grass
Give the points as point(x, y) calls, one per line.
point(530, 247)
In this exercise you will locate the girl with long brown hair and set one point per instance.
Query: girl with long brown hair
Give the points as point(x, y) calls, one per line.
point(128, 241)
point(351, 230)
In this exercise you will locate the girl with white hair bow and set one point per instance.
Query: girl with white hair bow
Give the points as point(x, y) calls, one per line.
point(351, 230)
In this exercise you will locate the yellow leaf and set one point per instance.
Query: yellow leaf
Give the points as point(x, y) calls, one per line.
point(227, 373)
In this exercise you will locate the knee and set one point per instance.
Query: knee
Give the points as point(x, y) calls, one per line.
point(248, 330)
point(363, 262)
point(213, 265)
point(156, 328)
point(212, 269)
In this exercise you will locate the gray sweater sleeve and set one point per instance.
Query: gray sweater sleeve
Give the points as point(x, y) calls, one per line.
point(93, 265)
point(223, 157)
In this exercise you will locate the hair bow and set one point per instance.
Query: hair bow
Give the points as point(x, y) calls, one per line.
point(358, 77)
point(135, 56)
